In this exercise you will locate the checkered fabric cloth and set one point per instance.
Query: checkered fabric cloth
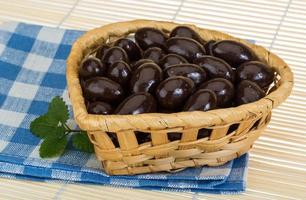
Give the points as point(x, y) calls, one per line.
point(32, 72)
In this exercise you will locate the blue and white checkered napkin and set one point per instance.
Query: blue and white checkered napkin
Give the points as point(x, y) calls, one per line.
point(32, 72)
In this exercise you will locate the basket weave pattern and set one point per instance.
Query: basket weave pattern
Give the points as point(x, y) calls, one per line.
point(224, 143)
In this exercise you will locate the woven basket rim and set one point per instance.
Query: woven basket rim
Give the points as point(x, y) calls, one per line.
point(156, 121)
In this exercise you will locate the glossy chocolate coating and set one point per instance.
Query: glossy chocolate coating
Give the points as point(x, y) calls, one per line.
point(150, 37)
point(103, 89)
point(101, 51)
point(174, 91)
point(91, 67)
point(120, 72)
point(146, 78)
point(186, 47)
point(138, 63)
point(202, 100)
point(131, 48)
point(257, 72)
point(154, 53)
point(223, 89)
point(208, 46)
point(215, 67)
point(234, 53)
point(115, 54)
point(192, 71)
point(247, 92)
point(99, 107)
point(136, 104)
point(185, 31)
point(172, 59)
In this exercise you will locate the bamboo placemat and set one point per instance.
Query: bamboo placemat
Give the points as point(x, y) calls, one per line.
point(277, 161)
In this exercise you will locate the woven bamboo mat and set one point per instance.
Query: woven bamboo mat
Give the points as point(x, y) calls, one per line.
point(277, 161)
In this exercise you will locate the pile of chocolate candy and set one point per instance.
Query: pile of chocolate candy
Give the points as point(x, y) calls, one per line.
point(165, 73)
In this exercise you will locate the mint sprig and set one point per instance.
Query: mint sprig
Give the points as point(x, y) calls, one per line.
point(53, 129)
point(52, 147)
point(81, 142)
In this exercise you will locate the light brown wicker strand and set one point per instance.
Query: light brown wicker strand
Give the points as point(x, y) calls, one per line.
point(160, 154)
point(226, 151)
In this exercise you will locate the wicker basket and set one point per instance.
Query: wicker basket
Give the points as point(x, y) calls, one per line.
point(233, 130)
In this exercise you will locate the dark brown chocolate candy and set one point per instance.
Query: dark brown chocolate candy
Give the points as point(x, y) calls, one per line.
point(131, 48)
point(257, 72)
point(103, 89)
point(99, 107)
point(233, 52)
point(174, 91)
point(120, 72)
point(202, 100)
point(186, 47)
point(146, 78)
point(215, 67)
point(136, 104)
point(91, 67)
point(247, 92)
point(101, 51)
point(150, 37)
point(185, 31)
point(192, 71)
point(185, 60)
point(115, 54)
point(172, 59)
point(208, 46)
point(154, 53)
point(223, 89)
point(138, 63)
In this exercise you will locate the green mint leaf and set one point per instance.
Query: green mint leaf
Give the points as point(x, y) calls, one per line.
point(81, 141)
point(58, 109)
point(45, 126)
point(52, 147)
